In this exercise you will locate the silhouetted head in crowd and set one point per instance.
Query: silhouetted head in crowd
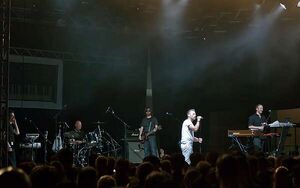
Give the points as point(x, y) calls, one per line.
point(203, 167)
point(101, 166)
point(86, 178)
point(281, 178)
point(110, 165)
point(289, 163)
point(166, 166)
point(65, 156)
point(190, 177)
point(59, 169)
point(178, 162)
point(122, 172)
point(212, 157)
point(154, 161)
point(227, 171)
point(195, 158)
point(26, 166)
point(296, 175)
point(106, 181)
point(44, 177)
point(159, 180)
point(143, 170)
point(14, 178)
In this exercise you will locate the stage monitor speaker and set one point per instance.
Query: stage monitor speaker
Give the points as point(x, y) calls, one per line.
point(135, 152)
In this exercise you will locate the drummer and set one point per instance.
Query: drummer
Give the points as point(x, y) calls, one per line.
point(77, 135)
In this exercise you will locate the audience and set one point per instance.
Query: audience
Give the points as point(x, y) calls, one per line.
point(210, 170)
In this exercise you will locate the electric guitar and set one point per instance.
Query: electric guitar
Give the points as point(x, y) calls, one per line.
point(146, 135)
point(57, 143)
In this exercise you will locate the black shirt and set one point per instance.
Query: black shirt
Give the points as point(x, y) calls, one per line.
point(148, 124)
point(11, 132)
point(257, 121)
point(77, 134)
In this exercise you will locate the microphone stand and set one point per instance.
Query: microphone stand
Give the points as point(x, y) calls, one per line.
point(45, 138)
point(61, 125)
point(126, 126)
point(268, 117)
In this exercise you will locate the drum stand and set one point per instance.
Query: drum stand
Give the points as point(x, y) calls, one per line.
point(31, 138)
point(113, 143)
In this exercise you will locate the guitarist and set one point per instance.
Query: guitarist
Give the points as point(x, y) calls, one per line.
point(149, 124)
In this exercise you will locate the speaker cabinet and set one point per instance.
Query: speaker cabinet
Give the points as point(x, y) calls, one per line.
point(135, 152)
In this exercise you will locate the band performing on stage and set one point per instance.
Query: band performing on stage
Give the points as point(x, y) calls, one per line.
point(99, 142)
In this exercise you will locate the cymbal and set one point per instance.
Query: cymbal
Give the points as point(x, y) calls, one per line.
point(99, 122)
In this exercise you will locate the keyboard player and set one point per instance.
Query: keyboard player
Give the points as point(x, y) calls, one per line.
point(257, 122)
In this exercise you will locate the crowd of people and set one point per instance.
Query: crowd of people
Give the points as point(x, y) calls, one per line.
point(209, 170)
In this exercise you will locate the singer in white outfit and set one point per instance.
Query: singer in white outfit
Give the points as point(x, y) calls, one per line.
point(187, 134)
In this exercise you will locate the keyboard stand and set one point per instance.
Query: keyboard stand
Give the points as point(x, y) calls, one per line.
point(240, 145)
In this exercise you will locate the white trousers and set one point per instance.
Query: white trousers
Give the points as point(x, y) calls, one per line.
point(187, 150)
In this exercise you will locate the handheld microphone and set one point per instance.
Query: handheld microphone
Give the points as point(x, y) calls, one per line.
point(201, 117)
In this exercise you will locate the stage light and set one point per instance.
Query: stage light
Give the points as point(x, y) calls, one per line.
point(298, 5)
point(283, 6)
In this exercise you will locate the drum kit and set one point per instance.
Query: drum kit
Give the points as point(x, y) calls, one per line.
point(97, 142)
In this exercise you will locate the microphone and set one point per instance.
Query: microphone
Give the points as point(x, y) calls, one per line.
point(268, 116)
point(201, 117)
point(107, 110)
point(169, 114)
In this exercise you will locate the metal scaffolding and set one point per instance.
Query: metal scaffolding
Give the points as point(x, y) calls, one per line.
point(4, 60)
point(67, 56)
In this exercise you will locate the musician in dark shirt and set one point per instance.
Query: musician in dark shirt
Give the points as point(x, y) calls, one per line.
point(257, 122)
point(13, 130)
point(149, 125)
point(77, 134)
point(74, 137)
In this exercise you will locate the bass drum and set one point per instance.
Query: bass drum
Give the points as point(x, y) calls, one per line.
point(105, 148)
